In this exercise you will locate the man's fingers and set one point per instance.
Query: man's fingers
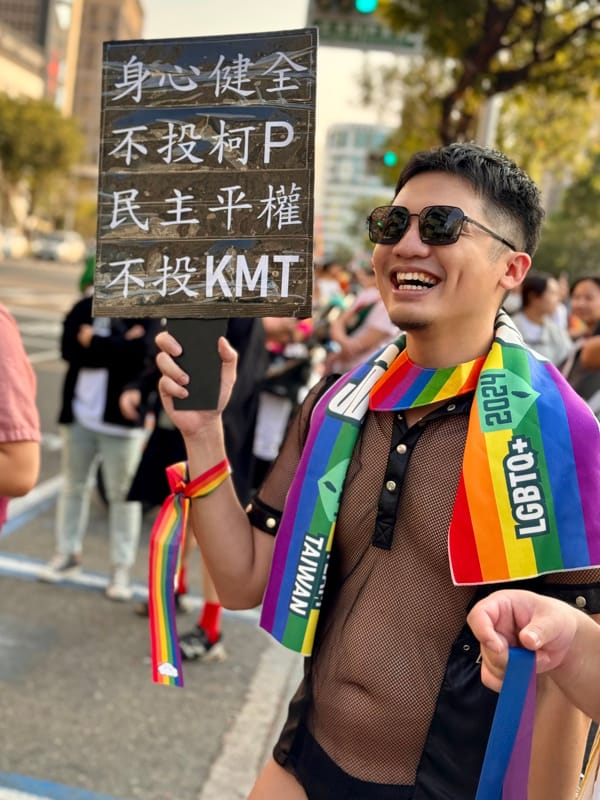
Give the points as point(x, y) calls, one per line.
point(168, 388)
point(168, 344)
point(227, 353)
point(174, 379)
point(550, 635)
point(493, 666)
point(531, 637)
point(171, 369)
point(491, 679)
point(229, 358)
point(483, 626)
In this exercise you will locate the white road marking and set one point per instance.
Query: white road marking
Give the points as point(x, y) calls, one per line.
point(247, 744)
point(39, 495)
point(46, 355)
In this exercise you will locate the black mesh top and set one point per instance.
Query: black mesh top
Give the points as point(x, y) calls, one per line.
point(391, 611)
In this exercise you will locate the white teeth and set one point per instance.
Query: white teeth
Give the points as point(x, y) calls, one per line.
point(415, 280)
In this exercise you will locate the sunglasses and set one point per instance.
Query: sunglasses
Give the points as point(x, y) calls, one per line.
point(438, 225)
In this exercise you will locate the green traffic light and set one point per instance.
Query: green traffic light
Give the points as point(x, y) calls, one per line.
point(365, 6)
point(390, 159)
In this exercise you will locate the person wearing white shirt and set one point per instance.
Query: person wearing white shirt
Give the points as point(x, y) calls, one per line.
point(540, 299)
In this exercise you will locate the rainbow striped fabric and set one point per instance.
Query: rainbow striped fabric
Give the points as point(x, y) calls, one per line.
point(292, 599)
point(505, 769)
point(527, 501)
point(165, 549)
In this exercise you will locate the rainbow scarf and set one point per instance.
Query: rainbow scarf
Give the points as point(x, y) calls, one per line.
point(527, 501)
point(165, 553)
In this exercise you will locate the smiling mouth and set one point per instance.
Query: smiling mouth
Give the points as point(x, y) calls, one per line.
point(414, 281)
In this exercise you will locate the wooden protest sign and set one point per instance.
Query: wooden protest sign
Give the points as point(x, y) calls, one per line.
point(206, 177)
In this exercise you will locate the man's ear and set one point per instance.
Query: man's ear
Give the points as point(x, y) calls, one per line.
point(516, 268)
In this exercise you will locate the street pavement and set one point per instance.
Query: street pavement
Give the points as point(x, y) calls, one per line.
point(81, 718)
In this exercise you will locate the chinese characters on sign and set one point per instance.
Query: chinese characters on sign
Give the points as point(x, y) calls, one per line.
point(206, 177)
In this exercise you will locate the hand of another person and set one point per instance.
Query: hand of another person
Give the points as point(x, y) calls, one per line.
point(279, 329)
point(513, 617)
point(174, 380)
point(129, 404)
point(85, 334)
point(337, 329)
point(135, 332)
point(590, 353)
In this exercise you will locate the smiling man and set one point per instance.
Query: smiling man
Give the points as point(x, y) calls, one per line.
point(449, 463)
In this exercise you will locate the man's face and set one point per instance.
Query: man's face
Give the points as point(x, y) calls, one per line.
point(550, 299)
point(449, 288)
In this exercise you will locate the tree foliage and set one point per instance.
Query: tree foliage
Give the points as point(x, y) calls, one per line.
point(418, 114)
point(491, 47)
point(571, 237)
point(357, 221)
point(37, 144)
point(552, 134)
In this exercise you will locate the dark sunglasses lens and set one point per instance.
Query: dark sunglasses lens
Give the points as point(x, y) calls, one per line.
point(388, 224)
point(440, 224)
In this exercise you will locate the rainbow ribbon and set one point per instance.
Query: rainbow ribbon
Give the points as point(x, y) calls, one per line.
point(165, 553)
point(527, 498)
point(505, 770)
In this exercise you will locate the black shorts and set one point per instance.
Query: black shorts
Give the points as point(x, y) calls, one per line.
point(322, 779)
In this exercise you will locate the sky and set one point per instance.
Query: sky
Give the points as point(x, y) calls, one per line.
point(337, 67)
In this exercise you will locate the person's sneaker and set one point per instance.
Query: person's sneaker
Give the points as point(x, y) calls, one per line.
point(195, 646)
point(182, 606)
point(119, 587)
point(60, 567)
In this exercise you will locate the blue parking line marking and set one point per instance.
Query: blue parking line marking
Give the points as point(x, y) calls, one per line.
point(15, 565)
point(26, 787)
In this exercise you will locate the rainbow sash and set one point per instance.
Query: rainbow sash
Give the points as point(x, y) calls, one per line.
point(527, 501)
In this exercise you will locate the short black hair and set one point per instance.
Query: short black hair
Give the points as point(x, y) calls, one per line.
point(593, 278)
point(507, 191)
point(534, 285)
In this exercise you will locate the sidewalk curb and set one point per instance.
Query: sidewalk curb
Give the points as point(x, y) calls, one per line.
point(247, 744)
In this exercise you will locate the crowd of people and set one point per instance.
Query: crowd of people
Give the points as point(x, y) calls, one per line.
point(362, 421)
point(558, 318)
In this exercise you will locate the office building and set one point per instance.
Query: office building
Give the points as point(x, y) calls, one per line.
point(102, 21)
point(27, 18)
point(22, 65)
point(349, 182)
point(52, 28)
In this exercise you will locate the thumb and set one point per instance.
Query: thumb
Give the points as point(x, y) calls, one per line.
point(228, 370)
point(545, 628)
point(531, 637)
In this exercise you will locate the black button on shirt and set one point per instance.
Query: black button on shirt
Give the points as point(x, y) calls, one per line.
point(403, 443)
